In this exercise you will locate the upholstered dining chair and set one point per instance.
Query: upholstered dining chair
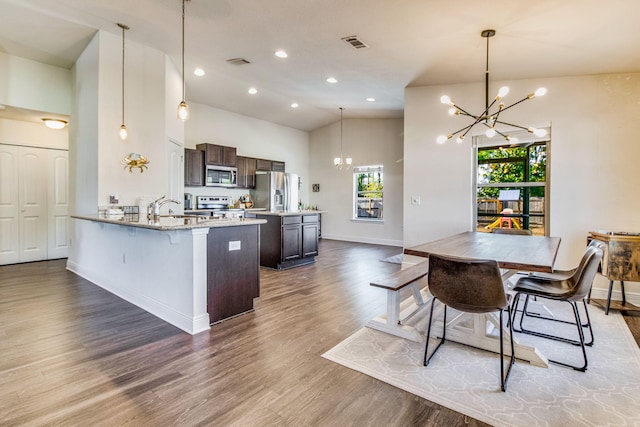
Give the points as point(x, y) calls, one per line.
point(472, 286)
point(571, 289)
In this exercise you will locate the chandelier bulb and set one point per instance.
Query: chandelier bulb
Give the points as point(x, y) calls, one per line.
point(349, 160)
point(453, 111)
point(442, 139)
point(460, 139)
point(540, 132)
point(446, 100)
point(541, 91)
point(504, 90)
point(491, 132)
point(123, 132)
point(336, 161)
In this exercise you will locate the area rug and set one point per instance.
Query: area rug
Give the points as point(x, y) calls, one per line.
point(466, 380)
point(395, 259)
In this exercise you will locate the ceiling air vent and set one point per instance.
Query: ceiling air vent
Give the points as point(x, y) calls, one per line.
point(355, 42)
point(238, 61)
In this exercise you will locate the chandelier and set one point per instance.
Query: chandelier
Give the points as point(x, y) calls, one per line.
point(487, 118)
point(123, 129)
point(338, 162)
point(183, 108)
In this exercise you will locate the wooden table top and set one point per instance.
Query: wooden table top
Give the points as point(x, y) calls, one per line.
point(527, 253)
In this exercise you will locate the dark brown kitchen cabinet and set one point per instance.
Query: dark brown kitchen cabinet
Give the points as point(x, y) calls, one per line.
point(193, 168)
point(233, 270)
point(288, 240)
point(246, 172)
point(219, 155)
point(270, 165)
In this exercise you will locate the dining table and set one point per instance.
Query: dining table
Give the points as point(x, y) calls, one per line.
point(513, 253)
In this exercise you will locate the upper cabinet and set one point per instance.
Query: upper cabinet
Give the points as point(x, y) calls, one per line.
point(193, 168)
point(218, 154)
point(246, 172)
point(270, 165)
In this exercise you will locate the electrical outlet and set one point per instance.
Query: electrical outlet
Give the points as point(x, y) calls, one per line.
point(234, 245)
point(415, 200)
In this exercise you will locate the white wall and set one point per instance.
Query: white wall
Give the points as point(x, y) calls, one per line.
point(17, 132)
point(368, 142)
point(35, 86)
point(150, 84)
point(252, 138)
point(594, 174)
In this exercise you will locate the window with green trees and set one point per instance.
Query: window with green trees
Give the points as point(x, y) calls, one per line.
point(512, 187)
point(368, 184)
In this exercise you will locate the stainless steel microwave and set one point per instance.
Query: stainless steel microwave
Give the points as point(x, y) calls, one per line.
point(221, 176)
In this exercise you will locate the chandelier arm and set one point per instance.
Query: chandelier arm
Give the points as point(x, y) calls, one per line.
point(516, 103)
point(466, 128)
point(512, 125)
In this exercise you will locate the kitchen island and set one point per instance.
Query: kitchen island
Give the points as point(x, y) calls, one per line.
point(188, 271)
point(289, 239)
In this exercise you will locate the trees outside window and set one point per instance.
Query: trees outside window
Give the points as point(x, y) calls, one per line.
point(512, 187)
point(368, 184)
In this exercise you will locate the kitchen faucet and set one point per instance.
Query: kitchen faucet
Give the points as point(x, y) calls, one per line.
point(154, 207)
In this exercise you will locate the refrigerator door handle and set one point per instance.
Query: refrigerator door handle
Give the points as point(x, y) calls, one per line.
point(286, 193)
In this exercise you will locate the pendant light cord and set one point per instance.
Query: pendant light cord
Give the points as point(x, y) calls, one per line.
point(123, 28)
point(341, 133)
point(183, 80)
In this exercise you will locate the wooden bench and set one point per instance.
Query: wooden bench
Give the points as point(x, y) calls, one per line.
point(411, 277)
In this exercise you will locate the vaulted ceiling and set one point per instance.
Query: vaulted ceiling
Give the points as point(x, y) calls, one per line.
point(409, 43)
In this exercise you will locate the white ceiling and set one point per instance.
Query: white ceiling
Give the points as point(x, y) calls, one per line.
point(411, 43)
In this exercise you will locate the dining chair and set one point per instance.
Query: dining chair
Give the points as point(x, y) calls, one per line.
point(570, 289)
point(564, 275)
point(472, 286)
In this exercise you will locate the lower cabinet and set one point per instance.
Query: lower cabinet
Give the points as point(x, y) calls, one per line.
point(288, 241)
point(233, 271)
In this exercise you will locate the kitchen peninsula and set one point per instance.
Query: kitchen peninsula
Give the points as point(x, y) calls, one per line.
point(188, 271)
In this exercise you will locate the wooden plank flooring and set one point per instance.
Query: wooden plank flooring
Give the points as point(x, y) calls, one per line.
point(74, 354)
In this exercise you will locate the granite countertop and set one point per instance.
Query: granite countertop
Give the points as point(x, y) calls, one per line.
point(169, 222)
point(287, 213)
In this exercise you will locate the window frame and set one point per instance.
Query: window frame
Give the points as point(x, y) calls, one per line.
point(357, 170)
point(482, 142)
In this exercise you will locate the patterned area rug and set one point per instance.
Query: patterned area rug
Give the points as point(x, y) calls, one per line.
point(466, 379)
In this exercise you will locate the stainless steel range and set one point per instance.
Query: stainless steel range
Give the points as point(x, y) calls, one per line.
point(217, 206)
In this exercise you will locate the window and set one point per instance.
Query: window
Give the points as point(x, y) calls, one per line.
point(512, 186)
point(368, 188)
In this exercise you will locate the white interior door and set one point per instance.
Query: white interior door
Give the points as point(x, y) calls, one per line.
point(58, 204)
point(32, 167)
point(9, 206)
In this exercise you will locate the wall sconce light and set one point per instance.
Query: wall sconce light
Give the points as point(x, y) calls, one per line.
point(54, 123)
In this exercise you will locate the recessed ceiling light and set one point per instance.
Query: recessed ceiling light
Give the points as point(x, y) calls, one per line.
point(199, 72)
point(371, 99)
point(280, 54)
point(294, 105)
point(332, 80)
point(253, 90)
point(54, 123)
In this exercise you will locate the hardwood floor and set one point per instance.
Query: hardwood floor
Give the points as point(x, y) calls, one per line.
point(74, 354)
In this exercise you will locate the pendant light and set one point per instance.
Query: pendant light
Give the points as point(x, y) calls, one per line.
point(338, 162)
point(123, 128)
point(183, 108)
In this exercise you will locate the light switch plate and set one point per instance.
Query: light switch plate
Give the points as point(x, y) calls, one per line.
point(234, 245)
point(415, 200)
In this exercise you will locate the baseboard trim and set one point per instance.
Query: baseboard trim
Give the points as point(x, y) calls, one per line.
point(359, 239)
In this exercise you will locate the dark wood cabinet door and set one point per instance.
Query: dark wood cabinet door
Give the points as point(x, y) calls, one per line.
point(250, 172)
point(277, 166)
point(229, 156)
point(291, 242)
point(310, 239)
point(233, 276)
point(193, 168)
point(263, 165)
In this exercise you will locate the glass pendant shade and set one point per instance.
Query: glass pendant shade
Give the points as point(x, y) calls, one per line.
point(183, 111)
point(123, 132)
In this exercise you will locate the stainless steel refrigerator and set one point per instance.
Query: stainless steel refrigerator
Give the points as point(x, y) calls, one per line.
point(276, 191)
